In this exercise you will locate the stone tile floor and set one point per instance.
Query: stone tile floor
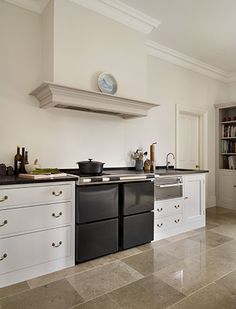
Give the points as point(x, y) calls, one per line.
point(192, 270)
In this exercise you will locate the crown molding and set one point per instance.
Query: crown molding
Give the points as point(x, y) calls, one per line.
point(113, 9)
point(121, 13)
point(160, 51)
point(30, 5)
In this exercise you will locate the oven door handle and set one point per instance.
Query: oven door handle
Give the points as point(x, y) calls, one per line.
point(171, 185)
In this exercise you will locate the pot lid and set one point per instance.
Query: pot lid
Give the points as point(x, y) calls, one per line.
point(90, 161)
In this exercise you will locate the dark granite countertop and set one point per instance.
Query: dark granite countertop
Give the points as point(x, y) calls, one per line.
point(177, 171)
point(161, 171)
point(15, 180)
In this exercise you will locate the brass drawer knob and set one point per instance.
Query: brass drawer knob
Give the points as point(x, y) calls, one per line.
point(159, 224)
point(57, 216)
point(177, 220)
point(176, 206)
point(4, 223)
point(57, 245)
point(56, 194)
point(4, 198)
point(4, 256)
point(159, 209)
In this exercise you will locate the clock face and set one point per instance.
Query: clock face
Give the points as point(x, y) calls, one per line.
point(107, 83)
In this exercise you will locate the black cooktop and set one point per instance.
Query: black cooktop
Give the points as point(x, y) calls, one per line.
point(75, 171)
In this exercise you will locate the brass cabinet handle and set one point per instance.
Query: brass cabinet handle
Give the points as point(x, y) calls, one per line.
point(4, 256)
point(4, 223)
point(177, 221)
point(159, 209)
point(4, 198)
point(234, 186)
point(56, 194)
point(160, 225)
point(186, 197)
point(57, 216)
point(176, 206)
point(58, 245)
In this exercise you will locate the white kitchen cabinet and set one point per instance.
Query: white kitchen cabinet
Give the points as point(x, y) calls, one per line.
point(194, 200)
point(168, 218)
point(175, 216)
point(226, 189)
point(36, 230)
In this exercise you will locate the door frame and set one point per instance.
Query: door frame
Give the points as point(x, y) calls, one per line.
point(203, 132)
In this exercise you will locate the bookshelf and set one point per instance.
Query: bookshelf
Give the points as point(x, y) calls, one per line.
point(227, 136)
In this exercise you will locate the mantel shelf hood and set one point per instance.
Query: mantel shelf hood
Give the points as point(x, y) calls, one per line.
point(60, 96)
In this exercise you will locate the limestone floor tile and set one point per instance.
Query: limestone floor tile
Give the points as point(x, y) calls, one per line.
point(216, 263)
point(126, 253)
point(214, 296)
point(147, 293)
point(188, 275)
point(185, 248)
point(217, 210)
point(211, 239)
point(183, 236)
point(14, 289)
point(104, 302)
point(227, 229)
point(150, 261)
point(153, 245)
point(101, 280)
point(42, 280)
point(57, 295)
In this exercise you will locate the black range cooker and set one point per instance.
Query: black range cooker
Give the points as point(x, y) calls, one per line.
point(113, 212)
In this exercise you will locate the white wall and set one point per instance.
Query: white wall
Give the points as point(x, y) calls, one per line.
point(232, 91)
point(86, 44)
point(61, 138)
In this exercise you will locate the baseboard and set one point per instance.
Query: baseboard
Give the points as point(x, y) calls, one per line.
point(211, 201)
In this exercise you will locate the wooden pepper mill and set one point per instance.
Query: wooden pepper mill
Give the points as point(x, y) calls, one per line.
point(152, 157)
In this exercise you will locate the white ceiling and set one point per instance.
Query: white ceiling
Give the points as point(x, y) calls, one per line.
point(203, 29)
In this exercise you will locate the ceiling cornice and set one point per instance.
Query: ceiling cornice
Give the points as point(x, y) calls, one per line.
point(160, 51)
point(113, 9)
point(122, 13)
point(34, 6)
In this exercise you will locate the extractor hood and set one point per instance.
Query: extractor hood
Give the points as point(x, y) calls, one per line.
point(60, 96)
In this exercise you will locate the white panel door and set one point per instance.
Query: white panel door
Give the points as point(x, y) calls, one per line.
point(188, 139)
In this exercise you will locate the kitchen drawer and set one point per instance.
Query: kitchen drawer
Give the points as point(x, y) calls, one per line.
point(35, 195)
point(36, 217)
point(32, 249)
point(166, 223)
point(168, 208)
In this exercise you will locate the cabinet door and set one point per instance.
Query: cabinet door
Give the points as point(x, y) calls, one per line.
point(137, 197)
point(227, 189)
point(98, 202)
point(137, 230)
point(194, 198)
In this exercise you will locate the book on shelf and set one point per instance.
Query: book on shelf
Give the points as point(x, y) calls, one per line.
point(228, 146)
point(229, 162)
point(228, 130)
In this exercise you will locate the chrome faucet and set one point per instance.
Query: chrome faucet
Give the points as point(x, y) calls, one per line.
point(167, 159)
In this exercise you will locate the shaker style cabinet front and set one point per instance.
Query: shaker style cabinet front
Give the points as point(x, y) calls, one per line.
point(36, 230)
point(194, 199)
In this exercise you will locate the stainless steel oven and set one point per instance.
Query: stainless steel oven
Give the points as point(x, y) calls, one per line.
point(168, 187)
